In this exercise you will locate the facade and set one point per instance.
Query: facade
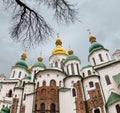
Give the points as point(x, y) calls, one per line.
point(65, 86)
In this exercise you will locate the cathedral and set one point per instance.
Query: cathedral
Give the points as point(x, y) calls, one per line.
point(64, 86)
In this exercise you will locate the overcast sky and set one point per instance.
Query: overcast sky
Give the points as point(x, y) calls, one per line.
point(101, 16)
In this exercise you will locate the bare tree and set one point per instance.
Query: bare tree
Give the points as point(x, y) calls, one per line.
point(29, 27)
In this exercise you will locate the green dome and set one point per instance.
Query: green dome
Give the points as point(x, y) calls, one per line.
point(95, 45)
point(22, 63)
point(40, 64)
point(71, 57)
point(87, 66)
point(5, 110)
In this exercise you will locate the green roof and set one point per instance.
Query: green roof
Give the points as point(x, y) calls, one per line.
point(94, 46)
point(86, 66)
point(22, 64)
point(5, 110)
point(28, 77)
point(113, 98)
point(71, 57)
point(40, 64)
point(117, 78)
point(64, 89)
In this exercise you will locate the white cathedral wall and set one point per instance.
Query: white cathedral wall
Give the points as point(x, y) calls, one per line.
point(112, 108)
point(50, 75)
point(67, 102)
point(71, 80)
point(29, 104)
point(87, 87)
point(17, 70)
point(95, 55)
point(110, 71)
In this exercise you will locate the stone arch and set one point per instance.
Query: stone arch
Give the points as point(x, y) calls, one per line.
point(52, 83)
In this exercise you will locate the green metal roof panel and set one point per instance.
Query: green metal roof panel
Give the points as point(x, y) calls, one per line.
point(64, 89)
point(28, 77)
point(94, 46)
point(113, 98)
point(71, 57)
point(86, 66)
point(5, 110)
point(117, 78)
point(41, 64)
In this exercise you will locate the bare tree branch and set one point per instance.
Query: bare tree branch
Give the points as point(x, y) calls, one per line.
point(30, 28)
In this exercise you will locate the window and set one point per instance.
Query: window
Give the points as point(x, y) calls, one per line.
point(83, 74)
point(52, 83)
point(89, 72)
point(107, 56)
point(24, 96)
point(37, 84)
point(100, 56)
point(44, 83)
point(42, 108)
point(118, 108)
point(107, 80)
point(52, 108)
point(96, 111)
point(77, 69)
point(94, 61)
point(67, 70)
point(24, 84)
point(19, 74)
point(60, 83)
point(73, 92)
point(72, 68)
point(13, 74)
point(62, 66)
point(56, 64)
point(91, 84)
point(10, 93)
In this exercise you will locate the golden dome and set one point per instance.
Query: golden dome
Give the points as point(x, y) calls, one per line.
point(30, 69)
point(40, 59)
point(59, 48)
point(92, 38)
point(70, 52)
point(24, 55)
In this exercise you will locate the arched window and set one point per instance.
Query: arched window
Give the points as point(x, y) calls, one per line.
point(62, 65)
point(13, 74)
point(67, 70)
point(78, 69)
point(107, 56)
point(24, 96)
point(52, 83)
point(89, 72)
point(37, 84)
point(44, 83)
point(19, 76)
point(60, 83)
point(83, 74)
point(96, 111)
point(56, 64)
point(107, 80)
point(52, 108)
point(100, 57)
point(118, 108)
point(24, 84)
point(73, 92)
point(72, 68)
point(91, 84)
point(94, 61)
point(10, 93)
point(42, 108)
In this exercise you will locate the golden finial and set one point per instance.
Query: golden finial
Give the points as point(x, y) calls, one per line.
point(24, 55)
point(70, 51)
point(92, 38)
point(30, 68)
point(40, 59)
point(58, 40)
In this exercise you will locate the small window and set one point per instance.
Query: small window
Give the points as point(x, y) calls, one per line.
point(67, 70)
point(24, 96)
point(107, 56)
point(89, 72)
point(19, 76)
point(94, 61)
point(42, 108)
point(96, 111)
point(56, 64)
point(73, 92)
point(52, 108)
point(13, 74)
point(83, 74)
point(100, 56)
point(91, 84)
point(118, 108)
point(107, 80)
point(78, 69)
point(52, 83)
point(72, 67)
point(44, 83)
